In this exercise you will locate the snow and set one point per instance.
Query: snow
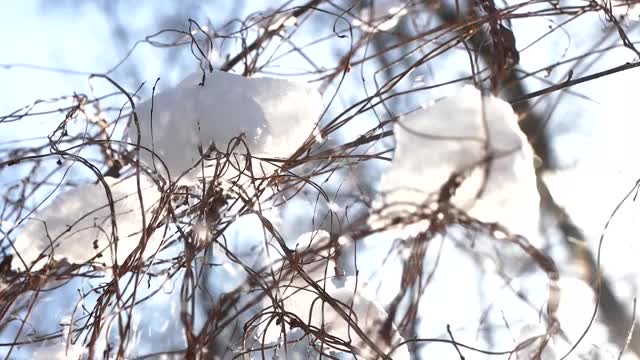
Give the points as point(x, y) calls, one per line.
point(382, 15)
point(355, 299)
point(419, 162)
point(79, 218)
point(483, 298)
point(457, 134)
point(274, 117)
point(156, 323)
point(188, 109)
point(51, 313)
point(624, 9)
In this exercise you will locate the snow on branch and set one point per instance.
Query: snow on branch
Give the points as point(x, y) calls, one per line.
point(178, 126)
point(478, 139)
point(81, 226)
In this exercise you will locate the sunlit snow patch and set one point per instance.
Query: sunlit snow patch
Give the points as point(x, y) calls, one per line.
point(463, 133)
point(273, 116)
point(77, 224)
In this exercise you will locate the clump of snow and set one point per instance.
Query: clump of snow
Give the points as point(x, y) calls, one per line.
point(77, 224)
point(277, 18)
point(274, 117)
point(382, 15)
point(464, 133)
point(624, 9)
point(351, 295)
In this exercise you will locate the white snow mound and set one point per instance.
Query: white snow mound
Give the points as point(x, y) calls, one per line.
point(456, 134)
point(275, 116)
point(77, 224)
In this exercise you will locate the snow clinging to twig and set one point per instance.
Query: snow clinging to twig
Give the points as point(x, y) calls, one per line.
point(77, 224)
point(472, 135)
point(273, 116)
